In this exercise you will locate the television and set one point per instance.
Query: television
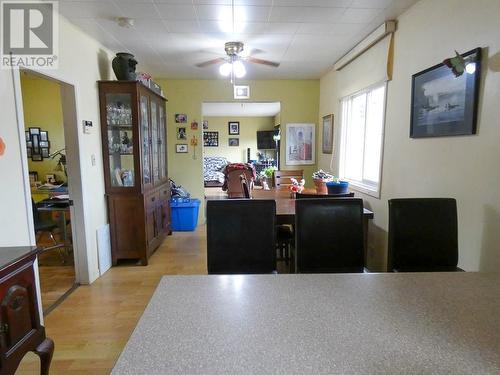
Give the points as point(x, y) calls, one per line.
point(265, 140)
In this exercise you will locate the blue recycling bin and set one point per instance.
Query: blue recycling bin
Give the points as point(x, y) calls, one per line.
point(341, 187)
point(184, 214)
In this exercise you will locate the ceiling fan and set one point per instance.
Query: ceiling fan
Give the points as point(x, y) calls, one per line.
point(232, 65)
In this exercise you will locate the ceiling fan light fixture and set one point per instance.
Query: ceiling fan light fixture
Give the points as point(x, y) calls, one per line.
point(225, 69)
point(239, 69)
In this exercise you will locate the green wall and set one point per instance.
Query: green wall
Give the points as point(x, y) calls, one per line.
point(299, 103)
point(247, 138)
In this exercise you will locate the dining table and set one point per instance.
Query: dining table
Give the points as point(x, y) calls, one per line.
point(386, 323)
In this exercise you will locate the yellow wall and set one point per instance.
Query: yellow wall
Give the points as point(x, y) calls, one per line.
point(248, 137)
point(465, 167)
point(42, 109)
point(299, 103)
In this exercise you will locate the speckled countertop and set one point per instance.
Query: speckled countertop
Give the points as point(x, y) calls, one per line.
point(427, 323)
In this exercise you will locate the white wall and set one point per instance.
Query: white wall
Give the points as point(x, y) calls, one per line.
point(82, 61)
point(466, 167)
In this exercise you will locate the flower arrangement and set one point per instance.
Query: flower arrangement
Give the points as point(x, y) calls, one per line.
point(296, 187)
point(320, 179)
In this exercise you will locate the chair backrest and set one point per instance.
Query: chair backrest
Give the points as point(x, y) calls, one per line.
point(329, 235)
point(282, 178)
point(316, 196)
point(241, 236)
point(244, 186)
point(423, 234)
point(234, 187)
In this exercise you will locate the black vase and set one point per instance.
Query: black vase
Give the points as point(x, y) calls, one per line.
point(124, 66)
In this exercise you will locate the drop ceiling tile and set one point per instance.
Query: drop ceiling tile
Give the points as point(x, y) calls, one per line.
point(313, 3)
point(353, 15)
point(183, 26)
point(282, 27)
point(371, 4)
point(243, 13)
point(89, 9)
point(123, 34)
point(315, 28)
point(287, 14)
point(176, 12)
point(139, 10)
point(317, 14)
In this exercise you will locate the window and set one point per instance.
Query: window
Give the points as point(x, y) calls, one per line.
point(362, 139)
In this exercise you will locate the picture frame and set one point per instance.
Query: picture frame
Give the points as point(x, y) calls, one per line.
point(194, 125)
point(300, 144)
point(36, 157)
point(181, 133)
point(45, 152)
point(44, 135)
point(234, 142)
point(180, 118)
point(233, 127)
point(211, 139)
point(181, 148)
point(327, 146)
point(445, 105)
point(33, 176)
point(205, 124)
point(44, 144)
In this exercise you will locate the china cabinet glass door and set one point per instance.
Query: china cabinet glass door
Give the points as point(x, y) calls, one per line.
point(146, 140)
point(155, 140)
point(162, 144)
point(120, 139)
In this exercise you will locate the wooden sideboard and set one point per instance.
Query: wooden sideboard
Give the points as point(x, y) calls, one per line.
point(20, 327)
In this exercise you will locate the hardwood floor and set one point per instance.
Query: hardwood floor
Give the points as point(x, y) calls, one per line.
point(91, 327)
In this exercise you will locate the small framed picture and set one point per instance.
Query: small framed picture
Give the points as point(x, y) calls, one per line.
point(45, 152)
point(29, 151)
point(180, 118)
point(205, 124)
point(234, 142)
point(181, 148)
point(211, 139)
point(27, 134)
point(34, 131)
point(234, 127)
point(50, 178)
point(44, 135)
point(181, 133)
point(36, 157)
point(44, 144)
point(194, 125)
point(33, 177)
point(328, 134)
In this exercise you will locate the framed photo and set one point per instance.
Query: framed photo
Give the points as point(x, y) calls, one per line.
point(194, 125)
point(442, 104)
point(205, 124)
point(300, 144)
point(234, 127)
point(44, 135)
point(328, 134)
point(45, 152)
point(180, 118)
point(211, 139)
point(181, 148)
point(234, 142)
point(28, 136)
point(44, 144)
point(29, 151)
point(181, 133)
point(50, 178)
point(34, 131)
point(33, 175)
point(36, 157)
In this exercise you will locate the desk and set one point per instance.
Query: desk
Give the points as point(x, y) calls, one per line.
point(393, 323)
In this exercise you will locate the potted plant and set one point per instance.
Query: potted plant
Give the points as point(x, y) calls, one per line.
point(320, 179)
point(265, 176)
point(296, 187)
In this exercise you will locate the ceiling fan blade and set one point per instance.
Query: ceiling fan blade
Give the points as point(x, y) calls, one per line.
point(263, 62)
point(211, 62)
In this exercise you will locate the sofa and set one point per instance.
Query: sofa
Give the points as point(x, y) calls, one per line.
point(213, 171)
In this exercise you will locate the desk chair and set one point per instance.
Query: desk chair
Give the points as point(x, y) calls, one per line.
point(47, 227)
point(329, 235)
point(282, 179)
point(423, 235)
point(241, 236)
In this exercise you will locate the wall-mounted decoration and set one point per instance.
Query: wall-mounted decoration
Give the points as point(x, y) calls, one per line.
point(234, 142)
point(205, 124)
point(300, 144)
point(33, 175)
point(234, 127)
point(2, 146)
point(181, 118)
point(37, 144)
point(328, 134)
point(443, 104)
point(194, 125)
point(181, 133)
point(211, 139)
point(181, 148)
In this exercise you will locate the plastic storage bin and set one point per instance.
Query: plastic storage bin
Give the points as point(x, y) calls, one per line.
point(341, 187)
point(184, 214)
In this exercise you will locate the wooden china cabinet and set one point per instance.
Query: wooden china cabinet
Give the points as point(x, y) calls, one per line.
point(134, 141)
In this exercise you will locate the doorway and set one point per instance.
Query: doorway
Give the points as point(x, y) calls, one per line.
point(44, 117)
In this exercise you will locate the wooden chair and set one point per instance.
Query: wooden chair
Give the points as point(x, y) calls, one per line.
point(423, 235)
point(241, 236)
point(282, 178)
point(329, 235)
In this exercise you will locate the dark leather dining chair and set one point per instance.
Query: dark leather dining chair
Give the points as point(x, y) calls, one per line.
point(423, 235)
point(329, 235)
point(316, 196)
point(241, 236)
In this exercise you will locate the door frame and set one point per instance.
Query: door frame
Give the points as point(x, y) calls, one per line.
point(69, 103)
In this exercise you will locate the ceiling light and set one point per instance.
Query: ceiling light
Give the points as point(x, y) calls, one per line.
point(125, 22)
point(232, 23)
point(239, 69)
point(225, 69)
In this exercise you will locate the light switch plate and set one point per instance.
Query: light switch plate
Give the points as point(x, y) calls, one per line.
point(87, 126)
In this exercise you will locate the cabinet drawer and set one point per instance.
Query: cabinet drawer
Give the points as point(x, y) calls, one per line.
point(152, 200)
